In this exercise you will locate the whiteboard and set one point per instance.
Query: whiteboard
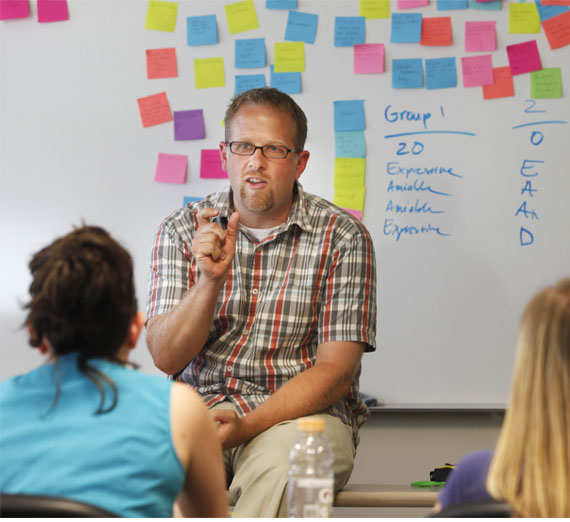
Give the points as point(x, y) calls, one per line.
point(73, 148)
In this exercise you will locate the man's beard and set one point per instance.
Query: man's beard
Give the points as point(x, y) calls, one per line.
point(256, 201)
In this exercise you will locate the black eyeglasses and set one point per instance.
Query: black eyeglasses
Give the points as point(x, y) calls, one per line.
point(242, 148)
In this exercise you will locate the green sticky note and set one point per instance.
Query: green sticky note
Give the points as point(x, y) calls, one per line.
point(161, 16)
point(349, 173)
point(523, 19)
point(426, 483)
point(209, 72)
point(241, 16)
point(374, 9)
point(352, 197)
point(289, 57)
point(546, 83)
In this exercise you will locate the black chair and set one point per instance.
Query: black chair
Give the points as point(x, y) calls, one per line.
point(40, 506)
point(476, 509)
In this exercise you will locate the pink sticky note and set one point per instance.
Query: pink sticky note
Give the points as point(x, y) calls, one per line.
point(171, 168)
point(10, 9)
point(211, 164)
point(477, 70)
point(161, 63)
point(52, 10)
point(368, 58)
point(356, 213)
point(410, 4)
point(524, 57)
point(154, 109)
point(480, 36)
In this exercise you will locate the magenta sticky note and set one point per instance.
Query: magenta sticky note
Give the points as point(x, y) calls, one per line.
point(480, 36)
point(410, 4)
point(10, 9)
point(356, 213)
point(524, 57)
point(52, 10)
point(189, 125)
point(211, 164)
point(171, 168)
point(477, 70)
point(368, 58)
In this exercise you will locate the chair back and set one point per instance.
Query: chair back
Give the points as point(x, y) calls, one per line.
point(476, 509)
point(41, 506)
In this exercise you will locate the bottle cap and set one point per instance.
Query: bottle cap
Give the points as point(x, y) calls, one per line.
point(310, 424)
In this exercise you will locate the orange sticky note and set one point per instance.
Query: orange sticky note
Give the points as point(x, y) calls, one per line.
point(154, 109)
point(554, 2)
point(557, 30)
point(502, 86)
point(161, 63)
point(436, 31)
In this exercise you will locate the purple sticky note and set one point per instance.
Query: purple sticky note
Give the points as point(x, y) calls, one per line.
point(211, 164)
point(477, 70)
point(189, 125)
point(171, 168)
point(524, 57)
point(52, 10)
point(10, 9)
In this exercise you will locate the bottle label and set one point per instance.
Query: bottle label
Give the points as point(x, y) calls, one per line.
point(311, 497)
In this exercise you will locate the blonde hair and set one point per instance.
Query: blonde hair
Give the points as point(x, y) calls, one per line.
point(531, 466)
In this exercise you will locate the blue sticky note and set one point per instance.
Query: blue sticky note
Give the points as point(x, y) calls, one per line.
point(190, 199)
point(440, 73)
point(250, 52)
point(407, 73)
point(281, 4)
point(349, 31)
point(485, 6)
point(447, 5)
point(245, 82)
point(348, 115)
point(287, 82)
point(301, 27)
point(406, 27)
point(548, 11)
point(349, 144)
point(202, 30)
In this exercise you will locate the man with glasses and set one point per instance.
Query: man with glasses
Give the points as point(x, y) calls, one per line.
point(263, 298)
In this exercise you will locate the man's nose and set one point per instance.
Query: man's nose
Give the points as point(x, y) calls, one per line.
point(257, 159)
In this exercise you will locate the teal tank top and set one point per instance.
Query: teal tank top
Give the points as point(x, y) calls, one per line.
point(123, 461)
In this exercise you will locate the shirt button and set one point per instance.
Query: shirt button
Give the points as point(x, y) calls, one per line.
point(255, 291)
point(245, 332)
point(230, 368)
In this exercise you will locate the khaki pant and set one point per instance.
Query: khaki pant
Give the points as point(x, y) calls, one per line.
point(257, 471)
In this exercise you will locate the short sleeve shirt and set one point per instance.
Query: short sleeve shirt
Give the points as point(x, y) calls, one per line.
point(311, 281)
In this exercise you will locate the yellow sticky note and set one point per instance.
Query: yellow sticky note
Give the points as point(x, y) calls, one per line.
point(161, 16)
point(241, 16)
point(523, 19)
point(374, 9)
point(289, 57)
point(209, 72)
point(349, 198)
point(349, 172)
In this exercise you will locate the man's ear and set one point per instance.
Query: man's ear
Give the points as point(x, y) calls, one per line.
point(224, 155)
point(302, 162)
point(137, 324)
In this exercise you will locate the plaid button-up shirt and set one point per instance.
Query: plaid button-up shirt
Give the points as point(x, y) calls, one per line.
point(313, 280)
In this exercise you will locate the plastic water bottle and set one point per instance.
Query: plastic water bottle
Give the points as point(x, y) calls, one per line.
point(311, 478)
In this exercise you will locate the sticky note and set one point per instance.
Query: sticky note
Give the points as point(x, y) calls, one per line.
point(555, 2)
point(201, 30)
point(209, 72)
point(406, 28)
point(250, 53)
point(557, 30)
point(289, 56)
point(480, 36)
point(411, 4)
point(154, 109)
point(189, 125)
point(281, 4)
point(436, 31)
point(502, 86)
point(441, 73)
point(11, 9)
point(301, 27)
point(523, 19)
point(548, 11)
point(348, 115)
point(52, 10)
point(190, 199)
point(288, 82)
point(523, 57)
point(245, 82)
point(477, 70)
point(349, 31)
point(211, 164)
point(546, 83)
point(161, 63)
point(350, 198)
point(171, 168)
point(449, 5)
point(349, 144)
point(356, 213)
point(241, 16)
point(349, 172)
point(368, 58)
point(161, 16)
point(374, 9)
point(407, 73)
point(485, 6)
